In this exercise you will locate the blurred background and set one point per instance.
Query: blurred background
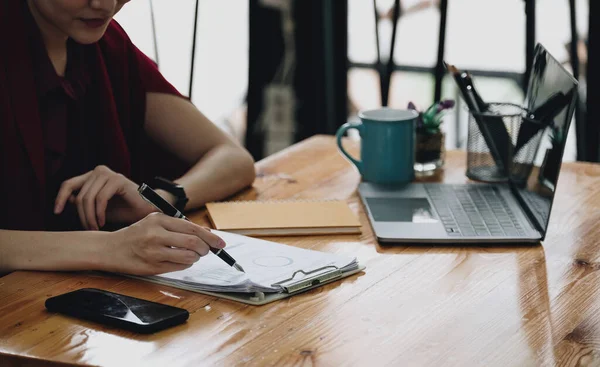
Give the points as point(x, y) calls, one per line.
point(273, 72)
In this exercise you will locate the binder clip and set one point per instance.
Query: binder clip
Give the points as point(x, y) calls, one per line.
point(312, 278)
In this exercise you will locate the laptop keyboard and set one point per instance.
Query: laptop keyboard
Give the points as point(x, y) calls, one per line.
point(469, 210)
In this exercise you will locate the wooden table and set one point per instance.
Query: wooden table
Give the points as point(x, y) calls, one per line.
point(413, 305)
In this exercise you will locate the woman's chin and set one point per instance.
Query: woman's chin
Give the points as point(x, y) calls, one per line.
point(87, 37)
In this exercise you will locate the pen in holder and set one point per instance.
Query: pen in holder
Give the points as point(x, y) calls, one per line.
point(516, 158)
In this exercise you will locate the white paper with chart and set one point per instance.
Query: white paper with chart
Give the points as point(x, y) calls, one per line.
point(265, 263)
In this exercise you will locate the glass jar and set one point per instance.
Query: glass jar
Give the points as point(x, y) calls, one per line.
point(429, 152)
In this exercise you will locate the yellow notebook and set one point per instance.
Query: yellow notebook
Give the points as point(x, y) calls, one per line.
point(283, 218)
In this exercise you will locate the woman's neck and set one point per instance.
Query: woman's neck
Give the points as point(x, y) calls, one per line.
point(54, 39)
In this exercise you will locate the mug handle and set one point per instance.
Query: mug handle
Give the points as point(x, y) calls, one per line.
point(340, 134)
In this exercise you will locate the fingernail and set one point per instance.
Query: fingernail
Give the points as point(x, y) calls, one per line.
point(56, 209)
point(221, 244)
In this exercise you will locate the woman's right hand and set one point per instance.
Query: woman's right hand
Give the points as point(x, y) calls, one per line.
point(159, 244)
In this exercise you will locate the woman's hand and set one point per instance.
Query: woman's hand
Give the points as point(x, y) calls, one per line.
point(102, 195)
point(158, 244)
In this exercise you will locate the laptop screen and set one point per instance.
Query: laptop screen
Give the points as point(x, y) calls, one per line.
point(551, 99)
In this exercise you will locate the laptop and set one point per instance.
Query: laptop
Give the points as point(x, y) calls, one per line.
point(515, 211)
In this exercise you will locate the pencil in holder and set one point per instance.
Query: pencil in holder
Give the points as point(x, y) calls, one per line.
point(502, 143)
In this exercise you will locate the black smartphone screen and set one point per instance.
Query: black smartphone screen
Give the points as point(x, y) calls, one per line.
point(117, 310)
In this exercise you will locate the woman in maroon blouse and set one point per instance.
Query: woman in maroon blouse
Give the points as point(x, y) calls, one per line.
point(84, 118)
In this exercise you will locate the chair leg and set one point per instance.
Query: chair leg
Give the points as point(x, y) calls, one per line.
point(574, 40)
point(439, 67)
point(385, 70)
point(529, 39)
point(193, 50)
point(579, 128)
point(154, 38)
point(378, 48)
point(389, 68)
point(591, 134)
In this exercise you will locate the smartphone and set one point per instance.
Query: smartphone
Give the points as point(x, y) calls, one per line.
point(117, 310)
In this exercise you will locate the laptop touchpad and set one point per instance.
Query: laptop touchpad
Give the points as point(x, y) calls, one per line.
point(415, 210)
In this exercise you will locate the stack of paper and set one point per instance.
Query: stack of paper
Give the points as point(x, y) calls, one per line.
point(265, 263)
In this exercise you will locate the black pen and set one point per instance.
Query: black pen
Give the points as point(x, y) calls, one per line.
point(471, 87)
point(491, 127)
point(161, 204)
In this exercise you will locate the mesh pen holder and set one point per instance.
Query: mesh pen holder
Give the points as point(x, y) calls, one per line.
point(502, 142)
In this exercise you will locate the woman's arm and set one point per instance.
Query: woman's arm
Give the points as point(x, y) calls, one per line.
point(220, 166)
point(154, 245)
point(26, 250)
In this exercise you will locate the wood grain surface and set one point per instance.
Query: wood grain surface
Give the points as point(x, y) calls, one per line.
point(420, 305)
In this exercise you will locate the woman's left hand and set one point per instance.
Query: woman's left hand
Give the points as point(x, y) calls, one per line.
point(102, 195)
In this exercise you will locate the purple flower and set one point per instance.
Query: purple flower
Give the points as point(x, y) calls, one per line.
point(420, 124)
point(445, 104)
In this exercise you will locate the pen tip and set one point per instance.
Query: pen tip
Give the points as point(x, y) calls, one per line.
point(238, 267)
point(452, 68)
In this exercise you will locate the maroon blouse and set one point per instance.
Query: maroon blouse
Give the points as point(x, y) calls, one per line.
point(53, 128)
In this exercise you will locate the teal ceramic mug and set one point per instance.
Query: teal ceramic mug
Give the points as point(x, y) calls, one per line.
point(387, 153)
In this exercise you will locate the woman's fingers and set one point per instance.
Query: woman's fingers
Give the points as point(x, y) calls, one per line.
point(188, 242)
point(94, 193)
point(79, 201)
point(108, 191)
point(184, 226)
point(89, 201)
point(161, 244)
point(179, 255)
point(67, 188)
